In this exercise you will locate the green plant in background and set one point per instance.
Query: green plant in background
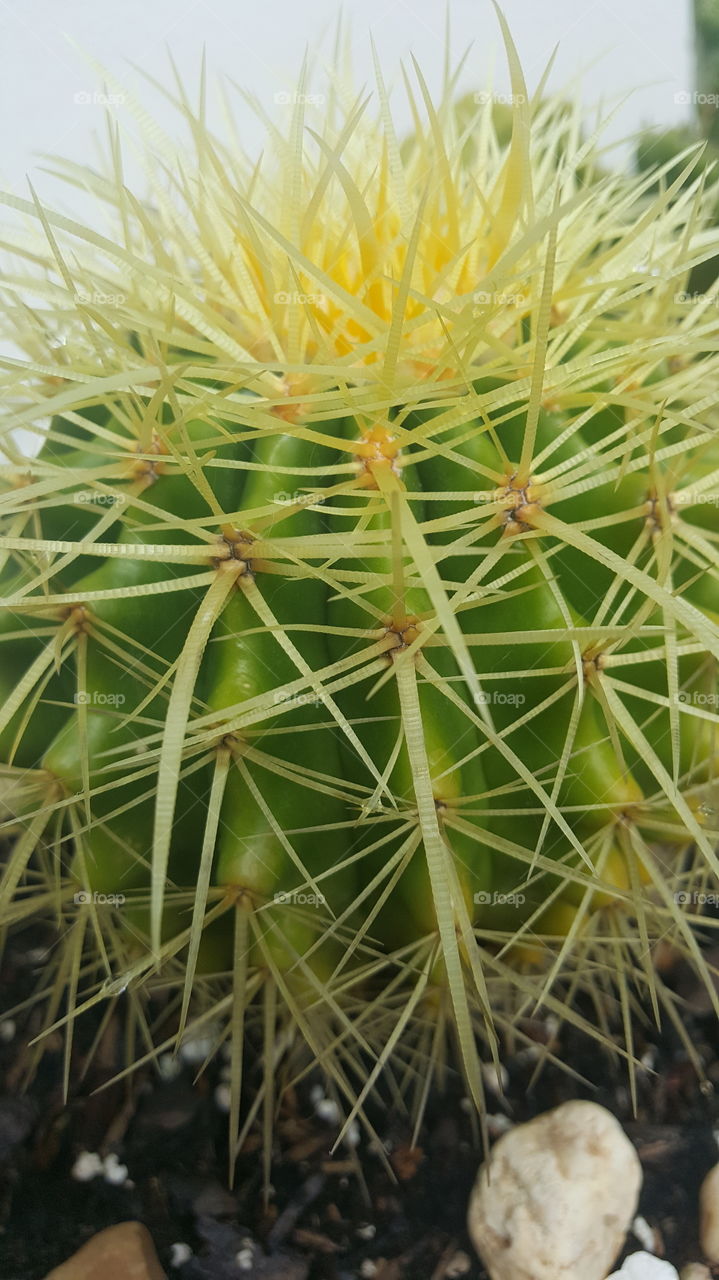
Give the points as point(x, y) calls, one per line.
point(361, 608)
point(665, 151)
point(706, 26)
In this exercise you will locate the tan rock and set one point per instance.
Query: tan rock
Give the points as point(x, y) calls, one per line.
point(559, 1199)
point(709, 1215)
point(124, 1252)
point(695, 1271)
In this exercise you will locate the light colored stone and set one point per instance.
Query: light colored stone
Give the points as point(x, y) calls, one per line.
point(180, 1253)
point(114, 1172)
point(695, 1271)
point(87, 1166)
point(644, 1234)
point(124, 1252)
point(559, 1197)
point(645, 1266)
point(709, 1215)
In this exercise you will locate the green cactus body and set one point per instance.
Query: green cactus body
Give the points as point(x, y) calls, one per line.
point(361, 618)
point(449, 736)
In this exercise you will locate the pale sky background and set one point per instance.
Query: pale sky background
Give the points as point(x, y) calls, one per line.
point(51, 99)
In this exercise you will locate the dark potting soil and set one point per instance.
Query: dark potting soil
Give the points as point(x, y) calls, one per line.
point(391, 1210)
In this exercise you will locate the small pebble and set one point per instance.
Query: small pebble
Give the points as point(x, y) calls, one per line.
point(368, 1269)
point(123, 1252)
point(644, 1266)
point(496, 1078)
point(530, 1054)
point(326, 1109)
point(709, 1215)
point(180, 1253)
point(223, 1097)
point(114, 1172)
point(245, 1259)
point(7, 1030)
point(644, 1234)
point(367, 1232)
point(459, 1265)
point(498, 1123)
point(87, 1166)
point(556, 1197)
point(169, 1067)
point(695, 1271)
point(352, 1135)
point(195, 1049)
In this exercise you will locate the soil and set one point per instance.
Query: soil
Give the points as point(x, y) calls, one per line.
point(358, 1211)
